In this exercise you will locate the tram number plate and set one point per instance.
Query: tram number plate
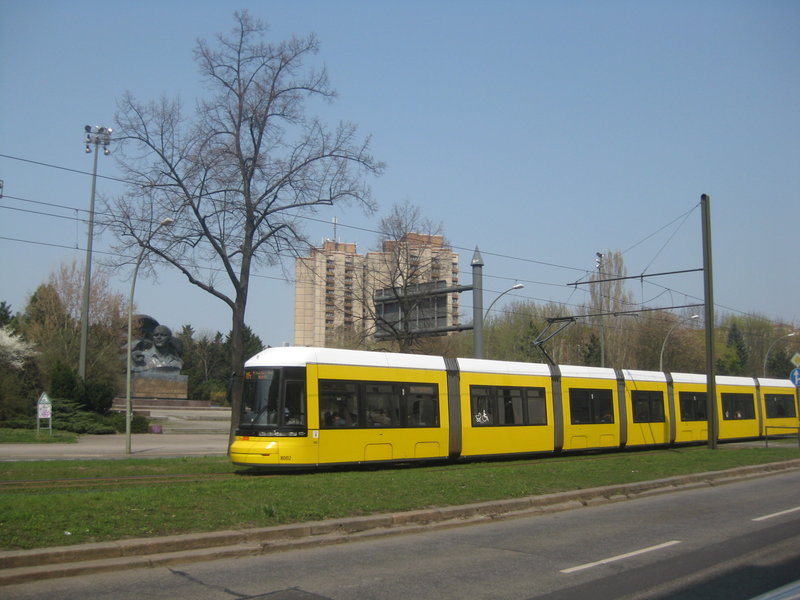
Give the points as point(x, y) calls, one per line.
point(286, 458)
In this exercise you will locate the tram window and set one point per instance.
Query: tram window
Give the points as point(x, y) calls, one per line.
point(780, 406)
point(503, 406)
point(367, 404)
point(648, 406)
point(537, 407)
point(693, 406)
point(260, 397)
point(294, 411)
point(510, 407)
point(422, 405)
point(591, 406)
point(737, 407)
point(382, 403)
point(482, 406)
point(338, 404)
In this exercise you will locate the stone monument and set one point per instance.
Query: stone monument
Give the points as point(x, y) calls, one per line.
point(156, 364)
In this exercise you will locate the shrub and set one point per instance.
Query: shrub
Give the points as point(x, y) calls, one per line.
point(139, 424)
point(68, 416)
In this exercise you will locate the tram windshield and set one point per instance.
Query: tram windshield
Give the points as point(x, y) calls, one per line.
point(274, 400)
point(260, 397)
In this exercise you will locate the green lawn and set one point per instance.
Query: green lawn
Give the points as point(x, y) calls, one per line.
point(31, 436)
point(49, 517)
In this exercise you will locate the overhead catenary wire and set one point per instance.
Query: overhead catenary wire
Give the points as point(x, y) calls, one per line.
point(309, 218)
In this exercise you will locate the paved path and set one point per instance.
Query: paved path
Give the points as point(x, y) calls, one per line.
point(143, 445)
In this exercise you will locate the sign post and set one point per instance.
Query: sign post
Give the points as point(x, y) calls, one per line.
point(44, 410)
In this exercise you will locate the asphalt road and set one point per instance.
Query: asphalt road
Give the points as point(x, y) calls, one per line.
point(729, 542)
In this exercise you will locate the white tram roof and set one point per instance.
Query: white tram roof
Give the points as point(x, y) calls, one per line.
point(300, 356)
point(587, 372)
point(648, 376)
point(731, 380)
point(475, 365)
point(782, 383)
point(478, 365)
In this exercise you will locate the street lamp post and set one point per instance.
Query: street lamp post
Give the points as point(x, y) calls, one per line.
point(479, 342)
point(772, 345)
point(664, 345)
point(128, 404)
point(97, 136)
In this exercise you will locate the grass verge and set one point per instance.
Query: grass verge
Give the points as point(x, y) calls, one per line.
point(31, 436)
point(52, 517)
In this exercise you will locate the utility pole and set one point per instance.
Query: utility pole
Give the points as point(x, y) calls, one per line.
point(477, 303)
point(100, 135)
point(708, 281)
point(599, 263)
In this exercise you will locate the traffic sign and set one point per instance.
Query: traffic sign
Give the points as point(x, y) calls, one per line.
point(44, 410)
point(796, 359)
point(795, 376)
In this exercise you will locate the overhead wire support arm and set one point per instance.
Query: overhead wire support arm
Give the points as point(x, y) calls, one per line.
point(642, 276)
point(565, 322)
point(541, 339)
point(617, 313)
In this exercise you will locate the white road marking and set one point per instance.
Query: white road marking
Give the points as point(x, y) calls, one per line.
point(620, 557)
point(777, 514)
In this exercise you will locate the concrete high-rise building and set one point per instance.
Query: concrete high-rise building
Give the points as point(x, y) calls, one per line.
point(336, 289)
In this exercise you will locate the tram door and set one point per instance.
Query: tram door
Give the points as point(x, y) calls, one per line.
point(302, 449)
point(294, 403)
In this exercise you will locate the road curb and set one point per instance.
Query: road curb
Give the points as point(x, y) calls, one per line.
point(67, 561)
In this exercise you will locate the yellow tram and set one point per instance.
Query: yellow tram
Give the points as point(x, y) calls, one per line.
point(314, 407)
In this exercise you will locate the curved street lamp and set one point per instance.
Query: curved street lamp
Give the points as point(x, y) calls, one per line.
point(128, 405)
point(771, 346)
point(664, 345)
point(479, 338)
point(516, 286)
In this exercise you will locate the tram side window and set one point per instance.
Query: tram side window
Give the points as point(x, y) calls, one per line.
point(591, 406)
point(737, 407)
point(382, 403)
point(693, 406)
point(648, 406)
point(338, 404)
point(494, 406)
point(536, 405)
point(780, 406)
point(368, 404)
point(482, 406)
point(422, 404)
point(510, 406)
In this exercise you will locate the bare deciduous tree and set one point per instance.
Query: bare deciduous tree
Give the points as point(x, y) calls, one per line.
point(609, 300)
point(413, 262)
point(236, 177)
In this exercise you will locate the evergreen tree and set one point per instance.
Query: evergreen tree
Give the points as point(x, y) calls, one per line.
point(6, 316)
point(591, 356)
point(734, 359)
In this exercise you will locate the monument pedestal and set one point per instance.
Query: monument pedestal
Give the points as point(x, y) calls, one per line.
point(158, 385)
point(155, 389)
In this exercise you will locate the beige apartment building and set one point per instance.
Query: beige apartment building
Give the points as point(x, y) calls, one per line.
point(341, 294)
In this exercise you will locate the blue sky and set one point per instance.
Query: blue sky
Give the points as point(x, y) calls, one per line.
point(540, 131)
